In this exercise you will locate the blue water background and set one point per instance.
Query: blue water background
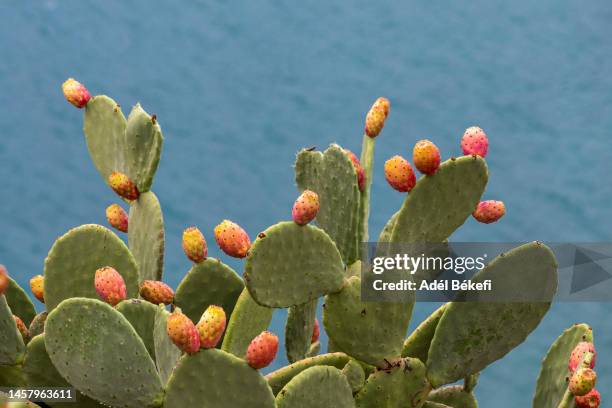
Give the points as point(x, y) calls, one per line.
point(238, 88)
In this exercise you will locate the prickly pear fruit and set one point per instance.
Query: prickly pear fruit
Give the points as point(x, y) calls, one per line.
point(123, 186)
point(399, 174)
point(37, 285)
point(194, 245)
point(305, 208)
point(4, 280)
point(25, 334)
point(232, 239)
point(315, 332)
point(384, 104)
point(358, 169)
point(582, 381)
point(117, 217)
point(183, 332)
point(375, 119)
point(489, 211)
point(211, 326)
point(156, 292)
point(75, 93)
point(262, 350)
point(426, 156)
point(577, 355)
point(590, 400)
point(110, 285)
point(474, 141)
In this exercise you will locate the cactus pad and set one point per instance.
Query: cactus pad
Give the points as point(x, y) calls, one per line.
point(321, 386)
point(38, 324)
point(213, 378)
point(453, 396)
point(83, 336)
point(385, 234)
point(417, 344)
point(552, 382)
point(279, 378)
point(440, 203)
point(402, 384)
point(208, 283)
point(247, 320)
point(141, 315)
point(291, 264)
point(298, 330)
point(332, 176)
point(167, 354)
point(369, 332)
point(71, 265)
point(12, 347)
point(41, 372)
point(472, 335)
point(354, 374)
point(19, 302)
point(146, 236)
point(132, 147)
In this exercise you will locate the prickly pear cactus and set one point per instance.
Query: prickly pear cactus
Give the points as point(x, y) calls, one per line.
point(146, 237)
point(319, 386)
point(401, 384)
point(208, 283)
point(132, 146)
point(129, 356)
point(77, 255)
point(19, 302)
point(552, 381)
point(369, 332)
point(472, 335)
point(332, 176)
point(206, 379)
point(83, 337)
point(291, 265)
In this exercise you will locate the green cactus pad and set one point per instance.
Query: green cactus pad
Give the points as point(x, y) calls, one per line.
point(440, 203)
point(83, 338)
point(453, 396)
point(369, 332)
point(298, 330)
point(19, 302)
point(354, 374)
point(146, 236)
point(290, 265)
point(41, 372)
point(208, 283)
point(279, 378)
point(321, 386)
point(367, 163)
point(12, 376)
point(132, 147)
point(71, 265)
point(417, 344)
point(247, 321)
point(401, 385)
point(12, 347)
point(473, 334)
point(167, 354)
point(38, 324)
point(141, 315)
point(332, 176)
point(216, 379)
point(552, 382)
point(385, 234)
point(313, 350)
